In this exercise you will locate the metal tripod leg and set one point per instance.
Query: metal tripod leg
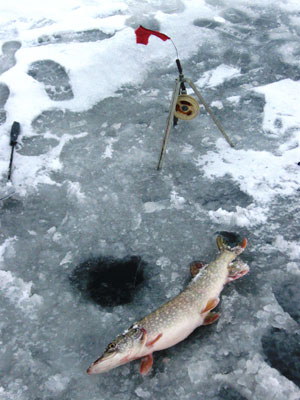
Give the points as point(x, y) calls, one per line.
point(209, 111)
point(169, 122)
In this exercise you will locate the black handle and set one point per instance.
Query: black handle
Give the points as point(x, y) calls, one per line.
point(14, 133)
point(179, 66)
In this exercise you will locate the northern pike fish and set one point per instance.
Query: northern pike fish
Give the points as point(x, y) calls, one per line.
point(175, 320)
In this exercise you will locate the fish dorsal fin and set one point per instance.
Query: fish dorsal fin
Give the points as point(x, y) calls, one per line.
point(211, 304)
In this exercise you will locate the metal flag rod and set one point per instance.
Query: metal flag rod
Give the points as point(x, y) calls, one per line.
point(169, 122)
point(208, 109)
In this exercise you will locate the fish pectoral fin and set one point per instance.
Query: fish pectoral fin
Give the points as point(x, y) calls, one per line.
point(211, 304)
point(144, 337)
point(146, 364)
point(195, 267)
point(154, 341)
point(236, 270)
point(211, 318)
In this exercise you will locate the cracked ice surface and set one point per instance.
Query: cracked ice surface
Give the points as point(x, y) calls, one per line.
point(92, 106)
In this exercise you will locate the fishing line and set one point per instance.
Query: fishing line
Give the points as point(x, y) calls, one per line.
point(175, 48)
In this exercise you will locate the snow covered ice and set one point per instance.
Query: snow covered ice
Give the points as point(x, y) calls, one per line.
point(92, 105)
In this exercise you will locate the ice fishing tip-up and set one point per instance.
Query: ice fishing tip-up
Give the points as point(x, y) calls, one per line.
point(185, 107)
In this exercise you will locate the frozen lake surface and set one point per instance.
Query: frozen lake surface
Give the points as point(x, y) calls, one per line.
point(95, 237)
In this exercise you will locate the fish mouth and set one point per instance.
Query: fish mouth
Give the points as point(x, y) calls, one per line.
point(106, 363)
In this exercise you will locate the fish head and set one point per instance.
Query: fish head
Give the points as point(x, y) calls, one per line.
point(123, 349)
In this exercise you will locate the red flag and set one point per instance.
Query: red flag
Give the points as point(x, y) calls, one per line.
point(142, 35)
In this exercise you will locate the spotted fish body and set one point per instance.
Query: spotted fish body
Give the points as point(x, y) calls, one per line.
point(175, 320)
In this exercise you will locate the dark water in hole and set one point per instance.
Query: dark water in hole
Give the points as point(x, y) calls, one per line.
point(108, 281)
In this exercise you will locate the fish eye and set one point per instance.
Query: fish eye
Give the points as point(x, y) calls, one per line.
point(111, 347)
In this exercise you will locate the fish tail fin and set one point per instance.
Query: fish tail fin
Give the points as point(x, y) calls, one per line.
point(237, 249)
point(220, 243)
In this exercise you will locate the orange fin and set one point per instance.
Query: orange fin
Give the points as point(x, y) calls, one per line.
point(195, 267)
point(145, 336)
point(236, 270)
point(211, 318)
point(154, 341)
point(211, 304)
point(244, 243)
point(237, 275)
point(146, 364)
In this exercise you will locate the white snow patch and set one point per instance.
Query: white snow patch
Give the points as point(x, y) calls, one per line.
point(234, 99)
point(282, 104)
point(217, 76)
point(242, 217)
point(31, 171)
point(217, 104)
point(261, 174)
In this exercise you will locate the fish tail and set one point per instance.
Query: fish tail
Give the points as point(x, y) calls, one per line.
point(220, 243)
point(238, 249)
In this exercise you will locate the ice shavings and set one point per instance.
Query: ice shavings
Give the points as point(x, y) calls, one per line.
point(5, 246)
point(282, 104)
point(108, 152)
point(234, 99)
point(217, 76)
point(143, 394)
point(19, 292)
point(260, 174)
point(231, 352)
point(254, 378)
point(291, 248)
point(176, 200)
point(272, 314)
point(288, 247)
point(153, 206)
point(242, 217)
point(199, 370)
point(13, 392)
point(57, 383)
point(74, 191)
point(67, 259)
